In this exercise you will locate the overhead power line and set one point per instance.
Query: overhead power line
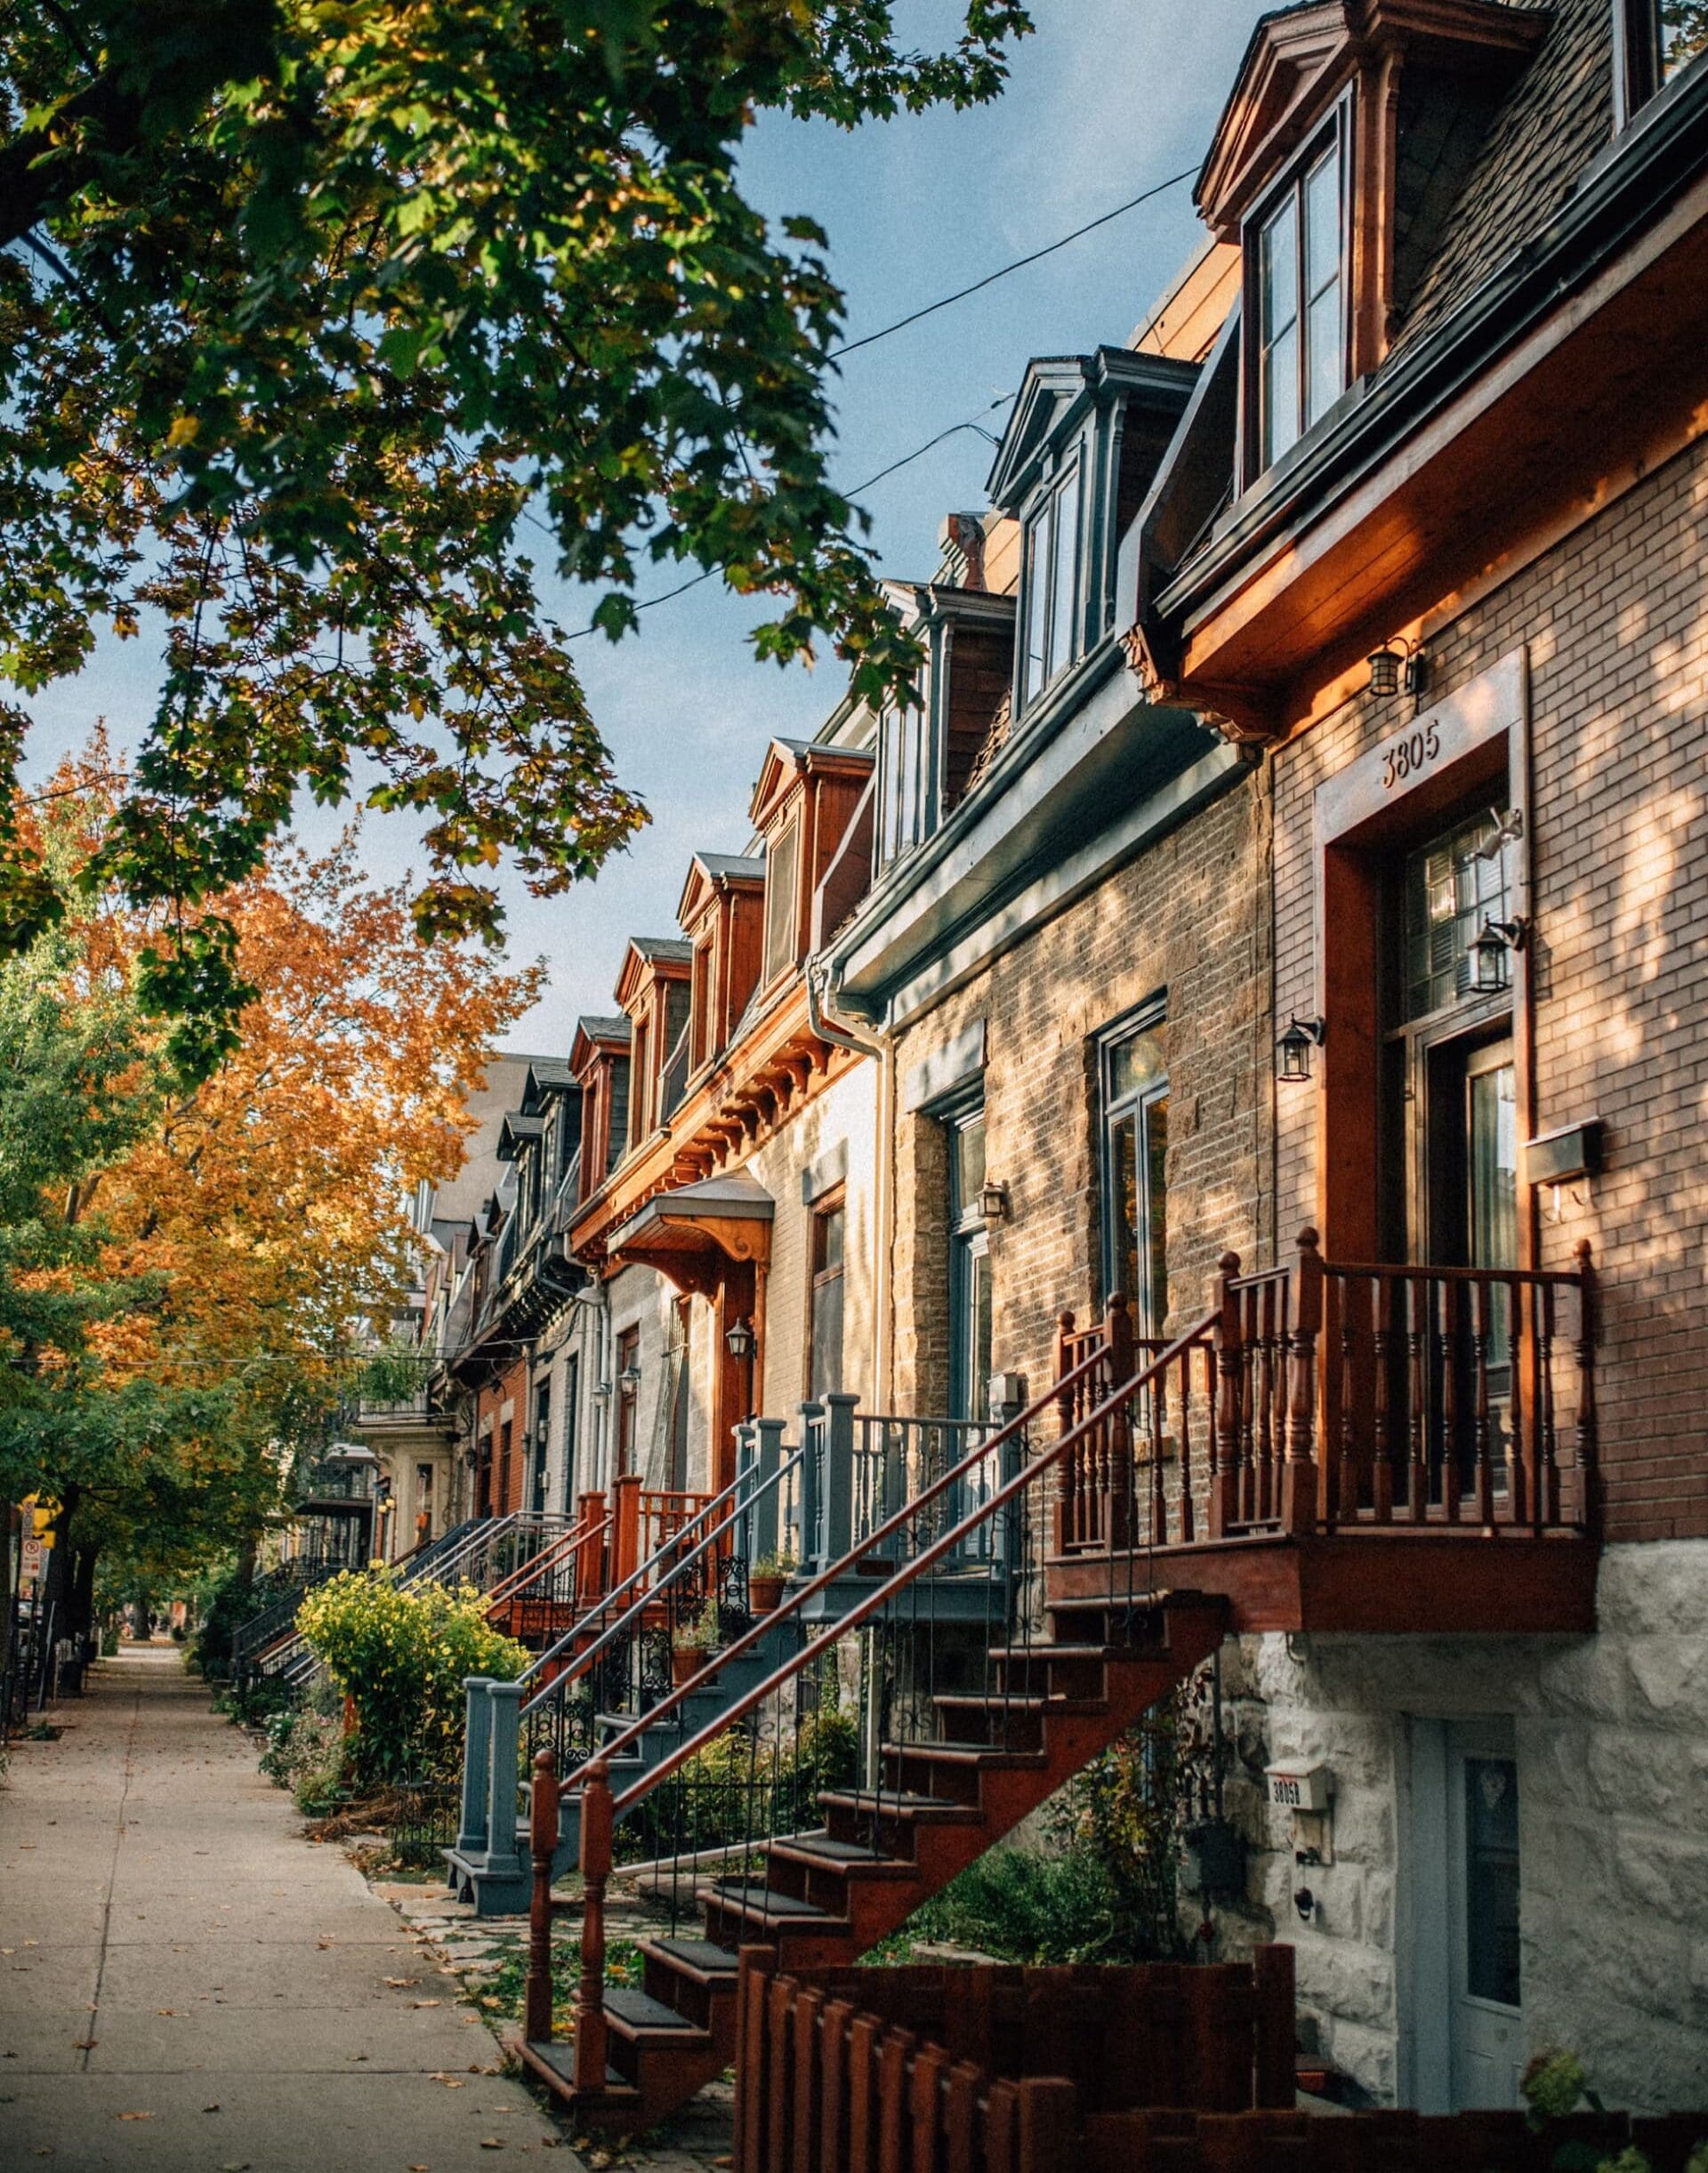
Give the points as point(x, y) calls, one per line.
point(930, 309)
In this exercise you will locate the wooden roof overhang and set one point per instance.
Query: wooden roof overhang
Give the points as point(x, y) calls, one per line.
point(790, 763)
point(1567, 376)
point(696, 1233)
point(649, 961)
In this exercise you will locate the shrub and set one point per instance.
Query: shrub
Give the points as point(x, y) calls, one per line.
point(305, 1753)
point(400, 1658)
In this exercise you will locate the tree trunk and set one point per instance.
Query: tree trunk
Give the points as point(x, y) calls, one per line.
point(10, 1524)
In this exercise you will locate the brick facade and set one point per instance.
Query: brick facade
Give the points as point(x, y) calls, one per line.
point(1189, 917)
point(1614, 621)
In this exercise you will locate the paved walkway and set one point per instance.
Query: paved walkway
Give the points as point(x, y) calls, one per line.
point(189, 1986)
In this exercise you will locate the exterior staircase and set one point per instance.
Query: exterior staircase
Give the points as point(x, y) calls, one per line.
point(961, 1731)
point(825, 1898)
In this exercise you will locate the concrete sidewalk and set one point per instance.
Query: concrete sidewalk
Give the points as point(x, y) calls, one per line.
point(189, 1986)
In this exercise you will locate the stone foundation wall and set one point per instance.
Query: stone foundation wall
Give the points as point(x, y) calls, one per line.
point(1612, 1743)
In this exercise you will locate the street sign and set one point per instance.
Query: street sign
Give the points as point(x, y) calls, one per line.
point(33, 1558)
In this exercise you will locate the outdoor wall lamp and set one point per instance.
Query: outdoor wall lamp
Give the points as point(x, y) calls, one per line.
point(1293, 1049)
point(1491, 969)
point(629, 1379)
point(739, 1340)
point(1391, 666)
point(994, 1202)
point(601, 1391)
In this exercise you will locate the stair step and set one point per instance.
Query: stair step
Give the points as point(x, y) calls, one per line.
point(900, 1803)
point(702, 1961)
point(555, 2064)
point(965, 1754)
point(820, 1851)
point(637, 2015)
point(758, 1899)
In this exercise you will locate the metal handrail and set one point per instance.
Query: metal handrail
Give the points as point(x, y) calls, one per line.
point(542, 1659)
point(883, 1593)
point(582, 1533)
point(582, 1662)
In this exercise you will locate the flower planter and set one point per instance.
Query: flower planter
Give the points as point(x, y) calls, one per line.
point(765, 1593)
point(686, 1661)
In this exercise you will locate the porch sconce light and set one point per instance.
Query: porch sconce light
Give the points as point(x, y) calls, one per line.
point(992, 1200)
point(1391, 667)
point(601, 1391)
point(629, 1379)
point(1491, 971)
point(1293, 1049)
point(739, 1340)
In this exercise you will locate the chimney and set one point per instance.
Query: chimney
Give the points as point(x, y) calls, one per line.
point(963, 533)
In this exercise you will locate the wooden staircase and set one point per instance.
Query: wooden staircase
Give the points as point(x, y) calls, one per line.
point(826, 1898)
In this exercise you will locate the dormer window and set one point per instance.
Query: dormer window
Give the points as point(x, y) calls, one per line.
point(906, 767)
point(1050, 585)
point(782, 903)
point(1298, 268)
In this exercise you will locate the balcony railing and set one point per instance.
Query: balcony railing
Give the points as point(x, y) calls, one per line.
point(1343, 1399)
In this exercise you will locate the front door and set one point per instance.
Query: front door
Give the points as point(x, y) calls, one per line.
point(1466, 1991)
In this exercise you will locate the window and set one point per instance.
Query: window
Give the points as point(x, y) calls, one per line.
point(571, 1420)
point(702, 1043)
point(542, 1447)
point(616, 1129)
point(640, 1085)
point(1654, 39)
point(905, 779)
point(824, 1298)
point(1134, 1066)
point(970, 1336)
point(782, 907)
point(1301, 303)
point(628, 1398)
point(504, 1467)
point(1452, 886)
point(1051, 587)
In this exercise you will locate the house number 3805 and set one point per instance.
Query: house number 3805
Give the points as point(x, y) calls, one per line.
point(1407, 755)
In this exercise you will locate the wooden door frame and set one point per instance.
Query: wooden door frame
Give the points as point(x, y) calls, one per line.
point(1388, 795)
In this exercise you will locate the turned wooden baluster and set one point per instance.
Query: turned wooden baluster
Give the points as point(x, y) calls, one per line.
point(1589, 1509)
point(1348, 1488)
point(1188, 1520)
point(1224, 1498)
point(1547, 1492)
point(593, 2029)
point(1482, 1428)
point(1299, 1490)
point(1381, 1474)
point(1117, 1342)
point(1518, 1410)
point(1067, 1473)
point(1447, 1300)
point(1417, 1396)
point(1250, 1481)
point(542, 1842)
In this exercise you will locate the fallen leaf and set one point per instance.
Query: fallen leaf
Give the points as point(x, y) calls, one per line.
point(165, 2011)
point(84, 2044)
point(136, 2116)
point(402, 1983)
point(213, 2108)
point(423, 2003)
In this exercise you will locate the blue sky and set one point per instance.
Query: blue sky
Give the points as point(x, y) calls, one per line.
point(1109, 97)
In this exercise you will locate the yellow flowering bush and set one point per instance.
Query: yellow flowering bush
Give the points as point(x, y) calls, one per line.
point(401, 1659)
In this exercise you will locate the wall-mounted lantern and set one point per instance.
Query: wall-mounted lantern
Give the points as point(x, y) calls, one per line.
point(993, 1201)
point(629, 1379)
point(1390, 667)
point(1491, 968)
point(601, 1391)
point(1293, 1049)
point(739, 1340)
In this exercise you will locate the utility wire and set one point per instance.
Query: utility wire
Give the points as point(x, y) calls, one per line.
point(852, 347)
point(973, 422)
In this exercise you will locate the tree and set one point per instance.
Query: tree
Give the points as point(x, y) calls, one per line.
point(316, 314)
point(189, 1267)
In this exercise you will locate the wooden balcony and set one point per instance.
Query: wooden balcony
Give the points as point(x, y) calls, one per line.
point(1348, 1447)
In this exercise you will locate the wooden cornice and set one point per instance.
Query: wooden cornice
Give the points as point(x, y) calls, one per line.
point(1301, 59)
point(756, 1087)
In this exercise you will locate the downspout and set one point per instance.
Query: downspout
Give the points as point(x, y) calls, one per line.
point(881, 1049)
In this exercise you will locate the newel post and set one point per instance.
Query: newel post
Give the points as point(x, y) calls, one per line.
point(542, 1842)
point(1589, 1477)
point(625, 1527)
point(762, 1519)
point(1225, 1484)
point(505, 1704)
point(476, 1766)
point(1299, 1478)
point(592, 2029)
point(1117, 1344)
point(839, 1474)
point(812, 1484)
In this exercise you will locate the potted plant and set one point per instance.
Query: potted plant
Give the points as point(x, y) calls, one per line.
point(692, 1646)
point(766, 1579)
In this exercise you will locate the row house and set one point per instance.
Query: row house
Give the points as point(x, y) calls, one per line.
point(1265, 952)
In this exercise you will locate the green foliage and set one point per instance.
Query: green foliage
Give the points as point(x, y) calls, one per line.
point(776, 1565)
point(1122, 1816)
point(703, 1634)
point(741, 1786)
point(323, 305)
point(306, 1754)
point(1553, 2085)
point(1025, 1906)
point(402, 1658)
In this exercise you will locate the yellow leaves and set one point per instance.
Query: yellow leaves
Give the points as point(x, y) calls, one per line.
point(185, 431)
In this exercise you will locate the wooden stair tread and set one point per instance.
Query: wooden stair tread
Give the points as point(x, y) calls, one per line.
point(966, 1754)
point(832, 1855)
point(900, 1803)
point(555, 2064)
point(636, 2014)
point(702, 1959)
point(758, 1899)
